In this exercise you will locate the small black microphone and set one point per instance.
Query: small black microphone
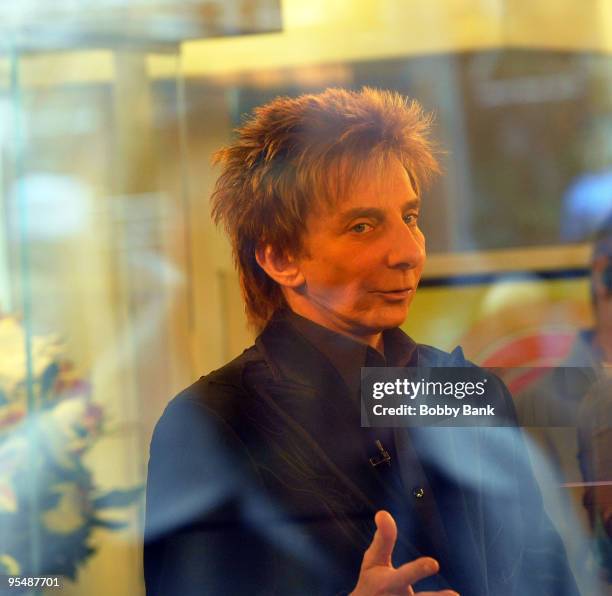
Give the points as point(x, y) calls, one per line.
point(382, 458)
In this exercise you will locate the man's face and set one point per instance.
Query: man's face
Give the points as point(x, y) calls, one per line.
point(364, 257)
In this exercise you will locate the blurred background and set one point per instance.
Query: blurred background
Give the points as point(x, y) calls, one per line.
point(116, 291)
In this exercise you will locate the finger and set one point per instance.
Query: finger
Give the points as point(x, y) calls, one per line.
point(380, 550)
point(412, 572)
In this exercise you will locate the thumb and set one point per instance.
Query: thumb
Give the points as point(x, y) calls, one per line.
point(380, 550)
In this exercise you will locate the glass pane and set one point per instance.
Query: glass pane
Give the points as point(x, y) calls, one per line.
point(117, 290)
point(95, 292)
point(89, 225)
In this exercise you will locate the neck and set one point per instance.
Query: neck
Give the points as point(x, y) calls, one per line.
point(334, 323)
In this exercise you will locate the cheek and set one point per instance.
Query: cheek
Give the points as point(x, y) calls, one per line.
point(348, 286)
point(332, 282)
point(344, 270)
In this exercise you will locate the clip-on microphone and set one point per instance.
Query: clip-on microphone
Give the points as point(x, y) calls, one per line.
point(383, 458)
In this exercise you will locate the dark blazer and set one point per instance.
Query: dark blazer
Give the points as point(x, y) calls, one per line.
point(259, 483)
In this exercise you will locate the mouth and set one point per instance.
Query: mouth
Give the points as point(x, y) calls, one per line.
point(396, 294)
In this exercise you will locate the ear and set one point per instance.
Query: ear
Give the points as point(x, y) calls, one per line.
point(283, 269)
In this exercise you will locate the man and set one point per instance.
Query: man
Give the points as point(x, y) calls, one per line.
point(570, 409)
point(261, 479)
point(595, 414)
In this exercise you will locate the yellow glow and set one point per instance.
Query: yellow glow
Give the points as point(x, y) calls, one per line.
point(317, 32)
point(58, 68)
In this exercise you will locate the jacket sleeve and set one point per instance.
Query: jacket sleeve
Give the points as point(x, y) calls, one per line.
point(545, 567)
point(521, 543)
point(200, 480)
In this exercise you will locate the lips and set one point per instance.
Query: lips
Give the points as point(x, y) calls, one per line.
point(396, 294)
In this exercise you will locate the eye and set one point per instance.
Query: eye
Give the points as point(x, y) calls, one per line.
point(360, 228)
point(411, 219)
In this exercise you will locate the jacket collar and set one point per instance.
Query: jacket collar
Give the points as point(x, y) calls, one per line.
point(291, 357)
point(294, 348)
point(301, 373)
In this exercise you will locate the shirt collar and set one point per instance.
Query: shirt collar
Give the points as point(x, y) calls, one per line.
point(346, 355)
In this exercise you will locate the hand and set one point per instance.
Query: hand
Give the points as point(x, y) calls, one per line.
point(378, 577)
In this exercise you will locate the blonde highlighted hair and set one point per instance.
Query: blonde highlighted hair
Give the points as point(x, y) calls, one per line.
point(295, 155)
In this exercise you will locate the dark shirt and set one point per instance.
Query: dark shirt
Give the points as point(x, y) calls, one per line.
point(252, 425)
point(385, 487)
point(348, 356)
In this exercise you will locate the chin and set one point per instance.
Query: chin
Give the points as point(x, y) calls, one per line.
point(388, 317)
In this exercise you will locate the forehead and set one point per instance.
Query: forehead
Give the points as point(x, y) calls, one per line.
point(370, 184)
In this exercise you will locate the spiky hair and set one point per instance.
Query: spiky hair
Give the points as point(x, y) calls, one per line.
point(295, 155)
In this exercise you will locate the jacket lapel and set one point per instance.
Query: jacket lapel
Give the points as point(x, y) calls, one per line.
point(456, 521)
point(312, 400)
point(308, 395)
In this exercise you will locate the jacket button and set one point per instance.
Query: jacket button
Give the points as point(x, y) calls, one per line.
point(418, 492)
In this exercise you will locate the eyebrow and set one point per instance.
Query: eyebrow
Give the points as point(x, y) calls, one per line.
point(375, 212)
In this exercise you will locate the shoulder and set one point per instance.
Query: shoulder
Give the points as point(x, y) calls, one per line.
point(430, 356)
point(214, 403)
point(434, 357)
point(221, 389)
point(206, 421)
point(198, 458)
point(498, 394)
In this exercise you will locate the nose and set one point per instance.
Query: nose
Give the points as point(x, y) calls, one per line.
point(406, 246)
